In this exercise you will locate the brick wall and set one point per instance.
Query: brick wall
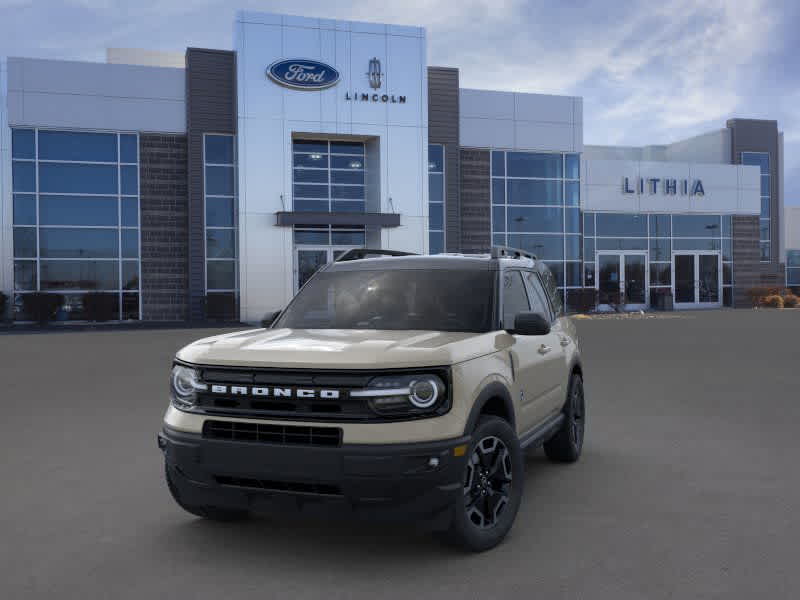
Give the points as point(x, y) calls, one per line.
point(748, 271)
point(476, 216)
point(165, 232)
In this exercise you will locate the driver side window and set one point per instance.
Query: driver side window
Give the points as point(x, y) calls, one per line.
point(515, 298)
point(538, 296)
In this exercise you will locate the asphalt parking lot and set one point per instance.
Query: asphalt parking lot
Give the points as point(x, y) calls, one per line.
point(688, 487)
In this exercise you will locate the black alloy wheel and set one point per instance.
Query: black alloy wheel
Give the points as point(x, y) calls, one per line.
point(487, 485)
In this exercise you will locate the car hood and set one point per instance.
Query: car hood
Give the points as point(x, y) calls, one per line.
point(339, 348)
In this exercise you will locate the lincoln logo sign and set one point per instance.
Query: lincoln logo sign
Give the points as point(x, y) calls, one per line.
point(669, 187)
point(302, 74)
point(274, 392)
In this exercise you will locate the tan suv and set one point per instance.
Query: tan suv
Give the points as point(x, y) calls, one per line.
point(392, 385)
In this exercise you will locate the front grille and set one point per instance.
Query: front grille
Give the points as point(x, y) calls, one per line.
point(273, 434)
point(293, 487)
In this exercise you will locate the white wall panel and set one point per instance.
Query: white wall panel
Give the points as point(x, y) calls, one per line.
point(486, 104)
point(486, 133)
point(540, 135)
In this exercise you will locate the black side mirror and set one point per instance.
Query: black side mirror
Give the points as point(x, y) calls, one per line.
point(530, 323)
point(269, 319)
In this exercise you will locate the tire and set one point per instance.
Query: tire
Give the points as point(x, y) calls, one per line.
point(485, 513)
point(566, 445)
point(212, 513)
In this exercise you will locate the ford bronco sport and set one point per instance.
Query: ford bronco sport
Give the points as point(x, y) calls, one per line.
point(392, 384)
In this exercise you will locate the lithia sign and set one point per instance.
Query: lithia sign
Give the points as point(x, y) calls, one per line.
point(667, 186)
point(306, 74)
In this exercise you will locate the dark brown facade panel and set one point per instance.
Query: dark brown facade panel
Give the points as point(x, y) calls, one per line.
point(475, 201)
point(210, 108)
point(164, 227)
point(443, 128)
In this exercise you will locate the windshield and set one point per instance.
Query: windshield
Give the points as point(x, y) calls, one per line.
point(436, 299)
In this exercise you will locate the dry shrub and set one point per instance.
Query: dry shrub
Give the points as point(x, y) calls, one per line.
point(773, 301)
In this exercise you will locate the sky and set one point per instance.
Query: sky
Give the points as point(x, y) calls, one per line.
point(650, 72)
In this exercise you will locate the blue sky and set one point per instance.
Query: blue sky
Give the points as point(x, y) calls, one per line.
point(649, 72)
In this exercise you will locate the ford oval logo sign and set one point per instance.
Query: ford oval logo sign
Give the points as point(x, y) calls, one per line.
point(303, 74)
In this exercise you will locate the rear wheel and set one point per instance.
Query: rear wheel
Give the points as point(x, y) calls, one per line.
point(567, 443)
point(213, 513)
point(492, 491)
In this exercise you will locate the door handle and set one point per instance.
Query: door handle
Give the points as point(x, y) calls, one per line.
point(544, 349)
point(564, 342)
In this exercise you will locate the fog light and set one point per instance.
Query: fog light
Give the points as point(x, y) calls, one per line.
point(433, 462)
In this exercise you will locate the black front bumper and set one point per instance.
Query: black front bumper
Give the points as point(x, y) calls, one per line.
point(396, 481)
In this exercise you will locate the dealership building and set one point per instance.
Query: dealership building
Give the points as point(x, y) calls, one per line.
point(212, 183)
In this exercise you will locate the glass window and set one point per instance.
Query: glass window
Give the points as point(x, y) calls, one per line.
point(310, 191)
point(621, 243)
point(515, 299)
point(77, 210)
point(498, 218)
point(545, 247)
point(221, 275)
point(321, 237)
point(765, 191)
point(537, 295)
point(572, 274)
point(220, 243)
point(130, 275)
point(588, 224)
point(588, 273)
point(347, 206)
point(696, 225)
point(130, 212)
point(318, 161)
point(78, 146)
point(695, 244)
point(765, 207)
point(130, 307)
point(530, 164)
point(727, 226)
point(436, 187)
point(24, 209)
point(759, 159)
point(727, 249)
point(23, 143)
point(573, 166)
point(535, 219)
point(436, 216)
point(436, 242)
point(765, 250)
point(341, 162)
point(219, 212)
point(498, 191)
point(347, 192)
point(354, 177)
point(312, 146)
point(727, 273)
point(763, 229)
point(660, 249)
point(588, 249)
point(128, 148)
point(129, 180)
point(793, 258)
point(572, 220)
point(219, 149)
point(660, 226)
point(622, 225)
point(660, 274)
point(311, 175)
point(311, 205)
point(66, 178)
point(572, 191)
point(130, 243)
point(556, 270)
point(435, 158)
point(79, 275)
point(347, 148)
point(348, 238)
point(23, 176)
point(25, 275)
point(498, 163)
point(219, 181)
point(56, 242)
point(25, 242)
point(527, 191)
point(572, 245)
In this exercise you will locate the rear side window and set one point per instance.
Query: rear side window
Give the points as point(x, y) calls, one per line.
point(515, 298)
point(537, 296)
point(551, 287)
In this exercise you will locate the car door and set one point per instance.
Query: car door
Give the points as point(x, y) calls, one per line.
point(531, 356)
point(552, 369)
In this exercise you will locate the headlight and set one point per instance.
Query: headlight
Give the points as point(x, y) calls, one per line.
point(184, 385)
point(413, 394)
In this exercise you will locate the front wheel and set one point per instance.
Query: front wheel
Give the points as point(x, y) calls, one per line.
point(492, 490)
point(567, 443)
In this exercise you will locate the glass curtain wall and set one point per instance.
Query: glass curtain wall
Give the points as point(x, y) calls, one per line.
point(536, 207)
point(793, 269)
point(76, 221)
point(761, 160)
point(222, 280)
point(328, 176)
point(660, 235)
point(435, 198)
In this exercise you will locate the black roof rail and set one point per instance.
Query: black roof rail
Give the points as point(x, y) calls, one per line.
point(508, 252)
point(359, 253)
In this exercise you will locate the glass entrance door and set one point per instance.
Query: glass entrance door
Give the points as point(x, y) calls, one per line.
point(622, 280)
point(308, 260)
point(697, 279)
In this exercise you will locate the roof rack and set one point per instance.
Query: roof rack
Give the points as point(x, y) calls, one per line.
point(508, 252)
point(359, 253)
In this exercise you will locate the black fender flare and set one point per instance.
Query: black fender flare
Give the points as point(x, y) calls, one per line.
point(493, 390)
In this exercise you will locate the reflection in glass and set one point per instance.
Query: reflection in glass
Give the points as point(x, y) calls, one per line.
point(80, 275)
point(56, 242)
point(77, 210)
point(67, 178)
point(77, 146)
point(221, 275)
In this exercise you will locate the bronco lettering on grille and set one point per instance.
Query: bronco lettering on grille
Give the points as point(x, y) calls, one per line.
point(275, 392)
